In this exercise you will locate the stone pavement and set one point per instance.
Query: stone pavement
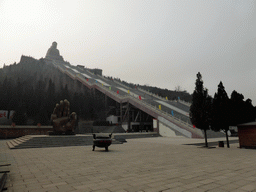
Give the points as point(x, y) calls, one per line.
point(145, 165)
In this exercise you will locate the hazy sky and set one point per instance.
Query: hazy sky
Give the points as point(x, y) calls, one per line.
point(155, 42)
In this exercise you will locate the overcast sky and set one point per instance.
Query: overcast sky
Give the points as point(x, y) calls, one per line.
point(154, 42)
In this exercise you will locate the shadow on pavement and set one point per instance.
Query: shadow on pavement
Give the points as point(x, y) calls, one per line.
point(213, 144)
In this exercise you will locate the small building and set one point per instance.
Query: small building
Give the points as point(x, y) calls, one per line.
point(96, 71)
point(247, 135)
point(112, 119)
point(80, 66)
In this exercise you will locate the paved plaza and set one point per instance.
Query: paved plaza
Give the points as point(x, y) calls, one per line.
point(145, 165)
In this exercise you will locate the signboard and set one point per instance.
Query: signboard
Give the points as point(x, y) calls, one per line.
point(4, 114)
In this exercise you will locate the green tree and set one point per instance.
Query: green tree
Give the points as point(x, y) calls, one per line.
point(51, 99)
point(20, 116)
point(221, 111)
point(200, 110)
point(236, 106)
point(6, 93)
point(64, 93)
point(241, 111)
point(249, 111)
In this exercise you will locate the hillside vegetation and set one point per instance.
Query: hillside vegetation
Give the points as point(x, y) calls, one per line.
point(32, 88)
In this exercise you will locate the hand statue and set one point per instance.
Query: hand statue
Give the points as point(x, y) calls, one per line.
point(63, 122)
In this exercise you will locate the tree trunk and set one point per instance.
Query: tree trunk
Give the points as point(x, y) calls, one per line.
point(226, 131)
point(205, 138)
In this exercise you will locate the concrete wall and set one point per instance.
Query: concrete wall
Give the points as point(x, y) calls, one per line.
point(172, 126)
point(19, 131)
point(166, 131)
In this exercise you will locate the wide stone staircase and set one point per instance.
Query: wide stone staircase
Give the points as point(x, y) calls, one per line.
point(44, 141)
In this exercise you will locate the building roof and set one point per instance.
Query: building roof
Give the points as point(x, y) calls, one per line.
point(247, 124)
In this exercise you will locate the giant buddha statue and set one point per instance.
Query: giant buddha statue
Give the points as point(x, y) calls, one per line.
point(53, 53)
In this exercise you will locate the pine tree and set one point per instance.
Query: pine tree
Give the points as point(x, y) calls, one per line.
point(241, 111)
point(221, 111)
point(200, 110)
point(249, 111)
point(51, 99)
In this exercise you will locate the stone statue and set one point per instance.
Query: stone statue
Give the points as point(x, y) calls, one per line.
point(63, 121)
point(53, 53)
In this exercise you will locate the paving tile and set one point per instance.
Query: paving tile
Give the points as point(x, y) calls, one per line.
point(195, 190)
point(102, 190)
point(223, 182)
point(37, 190)
point(82, 187)
point(65, 188)
point(48, 186)
point(248, 187)
point(242, 182)
point(229, 186)
point(33, 186)
point(207, 181)
point(133, 189)
point(253, 178)
point(173, 185)
point(156, 184)
point(19, 188)
point(44, 182)
point(176, 189)
point(152, 164)
point(119, 187)
point(217, 190)
point(122, 190)
point(209, 186)
point(192, 185)
point(240, 190)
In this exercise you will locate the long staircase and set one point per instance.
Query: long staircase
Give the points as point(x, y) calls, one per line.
point(172, 114)
point(46, 141)
point(42, 141)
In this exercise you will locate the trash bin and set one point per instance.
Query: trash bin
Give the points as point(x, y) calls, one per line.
point(221, 143)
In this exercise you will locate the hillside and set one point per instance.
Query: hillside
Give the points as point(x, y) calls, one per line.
point(32, 88)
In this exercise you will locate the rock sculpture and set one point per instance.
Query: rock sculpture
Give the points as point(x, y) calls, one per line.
point(63, 121)
point(53, 53)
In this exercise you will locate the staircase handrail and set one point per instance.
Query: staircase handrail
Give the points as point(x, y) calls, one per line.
point(169, 117)
point(164, 99)
point(121, 84)
point(185, 103)
point(147, 92)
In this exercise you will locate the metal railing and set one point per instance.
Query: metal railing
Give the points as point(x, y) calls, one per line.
point(162, 98)
point(184, 103)
point(121, 84)
point(152, 94)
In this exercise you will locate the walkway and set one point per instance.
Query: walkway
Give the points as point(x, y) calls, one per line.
point(148, 165)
